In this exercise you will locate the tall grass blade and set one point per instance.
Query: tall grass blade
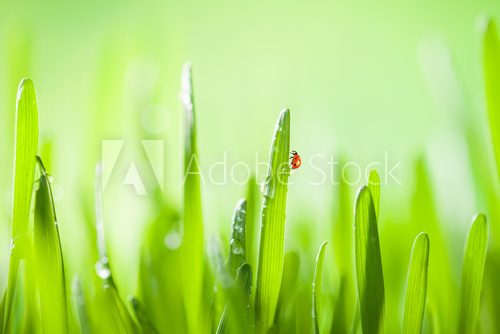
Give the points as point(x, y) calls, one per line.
point(142, 316)
point(343, 255)
point(270, 268)
point(491, 68)
point(25, 149)
point(416, 287)
point(49, 259)
point(251, 234)
point(81, 306)
point(472, 274)
point(317, 285)
point(192, 249)
point(237, 246)
point(235, 316)
point(110, 311)
point(288, 290)
point(369, 274)
point(158, 289)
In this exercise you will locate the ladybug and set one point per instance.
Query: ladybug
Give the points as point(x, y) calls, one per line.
point(295, 160)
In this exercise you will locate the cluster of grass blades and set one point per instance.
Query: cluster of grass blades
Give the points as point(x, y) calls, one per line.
point(256, 288)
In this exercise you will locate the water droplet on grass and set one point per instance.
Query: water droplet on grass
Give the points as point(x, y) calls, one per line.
point(173, 240)
point(102, 268)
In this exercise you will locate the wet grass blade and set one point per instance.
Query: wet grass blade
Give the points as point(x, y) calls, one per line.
point(237, 246)
point(49, 259)
point(317, 285)
point(370, 280)
point(142, 317)
point(472, 274)
point(192, 249)
point(416, 287)
point(270, 268)
point(491, 68)
point(235, 316)
point(26, 145)
point(110, 313)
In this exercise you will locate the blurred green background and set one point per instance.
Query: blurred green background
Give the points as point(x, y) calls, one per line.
point(363, 79)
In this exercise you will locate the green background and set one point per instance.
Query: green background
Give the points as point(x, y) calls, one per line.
point(361, 78)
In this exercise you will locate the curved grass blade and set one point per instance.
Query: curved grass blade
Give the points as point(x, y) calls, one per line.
point(317, 285)
point(472, 274)
point(237, 247)
point(491, 67)
point(270, 268)
point(416, 288)
point(192, 249)
point(235, 316)
point(369, 274)
point(49, 259)
point(111, 314)
point(142, 316)
point(374, 185)
point(25, 149)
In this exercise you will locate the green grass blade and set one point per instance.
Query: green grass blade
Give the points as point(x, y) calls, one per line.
point(374, 185)
point(317, 285)
point(288, 289)
point(158, 289)
point(26, 145)
point(369, 274)
point(237, 247)
point(142, 316)
point(49, 259)
point(192, 249)
point(491, 68)
point(251, 232)
point(270, 268)
point(472, 274)
point(234, 318)
point(416, 288)
point(110, 313)
point(81, 306)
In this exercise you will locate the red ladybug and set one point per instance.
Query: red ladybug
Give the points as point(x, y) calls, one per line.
point(295, 160)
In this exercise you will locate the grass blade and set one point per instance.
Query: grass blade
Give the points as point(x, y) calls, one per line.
point(472, 274)
point(237, 247)
point(81, 306)
point(26, 145)
point(270, 268)
point(49, 259)
point(251, 232)
point(288, 290)
point(491, 68)
point(234, 318)
point(317, 285)
point(142, 316)
point(369, 274)
point(374, 185)
point(416, 288)
point(192, 249)
point(108, 305)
